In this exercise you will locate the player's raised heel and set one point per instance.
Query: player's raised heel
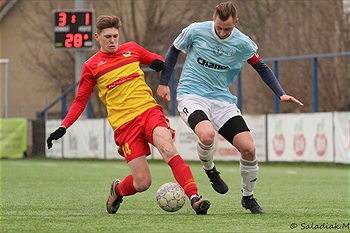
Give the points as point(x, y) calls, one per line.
point(216, 182)
point(250, 203)
point(114, 200)
point(200, 205)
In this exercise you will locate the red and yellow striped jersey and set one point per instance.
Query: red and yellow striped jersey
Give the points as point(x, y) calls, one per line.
point(120, 81)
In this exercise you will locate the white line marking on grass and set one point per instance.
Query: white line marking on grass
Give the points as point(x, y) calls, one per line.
point(32, 164)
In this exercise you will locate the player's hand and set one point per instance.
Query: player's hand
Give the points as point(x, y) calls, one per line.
point(163, 92)
point(58, 133)
point(288, 98)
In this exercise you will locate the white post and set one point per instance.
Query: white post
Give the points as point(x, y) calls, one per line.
point(6, 63)
point(80, 55)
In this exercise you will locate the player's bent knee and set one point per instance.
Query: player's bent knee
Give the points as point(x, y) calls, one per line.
point(143, 185)
point(167, 150)
point(206, 138)
point(249, 153)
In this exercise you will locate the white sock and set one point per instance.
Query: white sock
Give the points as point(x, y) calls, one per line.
point(206, 155)
point(249, 173)
point(193, 196)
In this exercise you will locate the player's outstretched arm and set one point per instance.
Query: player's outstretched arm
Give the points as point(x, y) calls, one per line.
point(288, 98)
point(58, 133)
point(270, 79)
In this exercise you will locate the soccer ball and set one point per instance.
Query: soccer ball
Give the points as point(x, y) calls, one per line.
point(171, 197)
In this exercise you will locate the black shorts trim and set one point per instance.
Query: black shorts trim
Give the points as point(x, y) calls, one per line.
point(232, 127)
point(196, 117)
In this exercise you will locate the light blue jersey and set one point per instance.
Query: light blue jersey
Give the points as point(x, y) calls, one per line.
point(212, 63)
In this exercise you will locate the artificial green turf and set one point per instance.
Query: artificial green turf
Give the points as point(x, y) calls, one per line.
point(45, 195)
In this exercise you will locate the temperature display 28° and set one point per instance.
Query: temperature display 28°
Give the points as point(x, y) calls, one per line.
point(73, 29)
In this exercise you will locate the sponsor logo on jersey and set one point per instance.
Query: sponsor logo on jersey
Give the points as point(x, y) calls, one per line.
point(211, 65)
point(122, 80)
point(101, 63)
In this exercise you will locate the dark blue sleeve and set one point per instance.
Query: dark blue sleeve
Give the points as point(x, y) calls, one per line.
point(169, 65)
point(269, 77)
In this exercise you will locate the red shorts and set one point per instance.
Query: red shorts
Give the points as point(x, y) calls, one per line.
point(133, 137)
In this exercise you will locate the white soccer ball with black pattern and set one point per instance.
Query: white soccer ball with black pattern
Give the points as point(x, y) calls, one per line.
point(171, 197)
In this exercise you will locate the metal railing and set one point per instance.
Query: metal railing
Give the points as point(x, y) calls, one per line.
point(63, 98)
point(315, 59)
point(276, 61)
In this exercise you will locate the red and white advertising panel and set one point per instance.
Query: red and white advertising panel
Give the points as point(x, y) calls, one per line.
point(300, 137)
point(85, 139)
point(311, 137)
point(342, 137)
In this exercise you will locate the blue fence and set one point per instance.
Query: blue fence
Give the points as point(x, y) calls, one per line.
point(276, 61)
point(315, 59)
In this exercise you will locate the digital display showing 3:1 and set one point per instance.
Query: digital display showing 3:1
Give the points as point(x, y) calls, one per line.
point(73, 29)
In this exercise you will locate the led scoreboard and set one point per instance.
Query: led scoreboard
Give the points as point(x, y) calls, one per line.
point(73, 29)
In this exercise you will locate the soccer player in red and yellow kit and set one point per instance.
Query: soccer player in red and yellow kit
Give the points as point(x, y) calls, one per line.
point(133, 113)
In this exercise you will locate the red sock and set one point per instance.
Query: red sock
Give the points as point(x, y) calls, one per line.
point(183, 175)
point(126, 187)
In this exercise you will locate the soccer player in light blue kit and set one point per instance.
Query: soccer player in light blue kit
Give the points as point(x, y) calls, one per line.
point(216, 52)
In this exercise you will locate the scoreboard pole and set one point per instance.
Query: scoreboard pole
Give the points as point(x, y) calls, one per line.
point(80, 58)
point(73, 31)
point(80, 55)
